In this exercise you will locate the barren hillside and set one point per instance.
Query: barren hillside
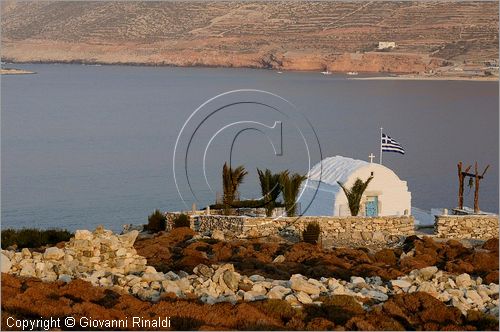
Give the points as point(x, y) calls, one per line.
point(340, 36)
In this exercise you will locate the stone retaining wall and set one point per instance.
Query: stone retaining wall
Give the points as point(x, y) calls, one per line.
point(466, 226)
point(366, 228)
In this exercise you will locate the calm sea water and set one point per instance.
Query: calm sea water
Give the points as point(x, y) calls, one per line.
point(89, 145)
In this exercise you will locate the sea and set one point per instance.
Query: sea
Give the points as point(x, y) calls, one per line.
point(83, 146)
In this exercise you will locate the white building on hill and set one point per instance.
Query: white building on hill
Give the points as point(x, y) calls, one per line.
point(386, 194)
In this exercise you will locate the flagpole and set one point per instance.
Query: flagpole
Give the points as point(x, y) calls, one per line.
point(381, 146)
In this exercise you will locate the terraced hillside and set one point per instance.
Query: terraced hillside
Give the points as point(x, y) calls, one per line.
point(339, 36)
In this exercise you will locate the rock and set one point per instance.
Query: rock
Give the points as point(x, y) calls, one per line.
point(357, 280)
point(427, 272)
point(128, 239)
point(301, 285)
point(403, 284)
point(428, 287)
point(149, 277)
point(27, 270)
point(170, 286)
point(53, 253)
point(279, 259)
point(64, 277)
point(259, 289)
point(256, 278)
point(463, 280)
point(172, 275)
point(474, 296)
point(83, 234)
point(184, 285)
point(278, 292)
point(26, 253)
point(377, 295)
point(254, 296)
point(303, 298)
point(5, 263)
point(231, 279)
point(292, 300)
point(218, 235)
point(148, 294)
point(376, 281)
point(203, 270)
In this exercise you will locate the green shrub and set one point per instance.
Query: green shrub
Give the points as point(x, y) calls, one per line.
point(182, 221)
point(311, 233)
point(156, 222)
point(33, 238)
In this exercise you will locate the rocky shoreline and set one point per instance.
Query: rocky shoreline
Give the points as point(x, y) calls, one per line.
point(107, 260)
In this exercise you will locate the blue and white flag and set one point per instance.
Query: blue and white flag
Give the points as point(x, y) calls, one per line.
point(391, 145)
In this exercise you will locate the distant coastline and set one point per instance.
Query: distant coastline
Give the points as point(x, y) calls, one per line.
point(376, 76)
point(13, 71)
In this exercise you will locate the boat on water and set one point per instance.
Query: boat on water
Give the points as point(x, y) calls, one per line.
point(352, 73)
point(326, 72)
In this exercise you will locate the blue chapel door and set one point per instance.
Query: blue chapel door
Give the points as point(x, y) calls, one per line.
point(371, 206)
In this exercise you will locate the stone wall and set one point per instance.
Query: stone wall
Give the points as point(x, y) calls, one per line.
point(366, 228)
point(466, 226)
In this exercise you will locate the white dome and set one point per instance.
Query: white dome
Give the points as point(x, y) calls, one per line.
point(326, 198)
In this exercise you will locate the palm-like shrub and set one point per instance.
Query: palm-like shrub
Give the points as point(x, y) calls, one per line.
point(290, 187)
point(231, 180)
point(271, 188)
point(355, 193)
point(157, 222)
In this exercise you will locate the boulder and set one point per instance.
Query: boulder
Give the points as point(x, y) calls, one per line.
point(254, 296)
point(218, 235)
point(231, 279)
point(427, 272)
point(256, 278)
point(278, 292)
point(403, 284)
point(64, 277)
point(53, 253)
point(377, 295)
point(170, 286)
point(463, 280)
point(357, 280)
point(5, 263)
point(83, 234)
point(302, 297)
point(128, 239)
point(300, 285)
point(279, 259)
point(27, 270)
point(203, 270)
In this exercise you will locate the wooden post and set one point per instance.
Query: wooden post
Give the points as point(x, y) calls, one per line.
point(476, 189)
point(477, 178)
point(460, 186)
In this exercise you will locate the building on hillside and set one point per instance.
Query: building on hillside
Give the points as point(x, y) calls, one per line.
point(386, 194)
point(386, 45)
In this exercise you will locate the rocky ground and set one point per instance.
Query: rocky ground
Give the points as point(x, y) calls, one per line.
point(256, 284)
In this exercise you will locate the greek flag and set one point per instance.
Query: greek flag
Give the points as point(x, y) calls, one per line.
point(391, 145)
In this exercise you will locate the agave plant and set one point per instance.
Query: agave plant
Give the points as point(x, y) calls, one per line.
point(271, 189)
point(290, 187)
point(231, 180)
point(355, 193)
